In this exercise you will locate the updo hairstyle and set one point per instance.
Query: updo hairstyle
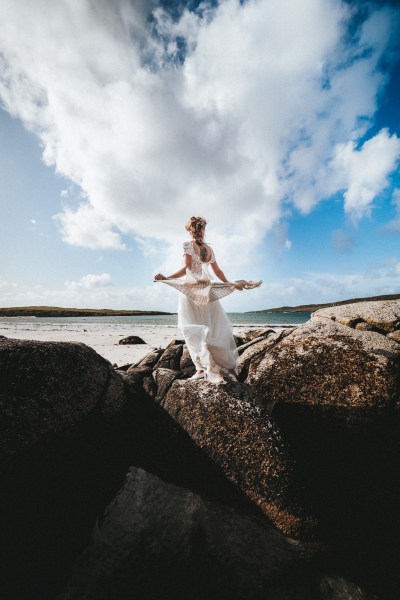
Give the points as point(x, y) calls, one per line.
point(195, 227)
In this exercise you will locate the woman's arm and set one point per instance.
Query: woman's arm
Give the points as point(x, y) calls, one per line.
point(218, 272)
point(180, 273)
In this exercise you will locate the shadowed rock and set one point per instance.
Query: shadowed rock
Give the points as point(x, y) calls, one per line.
point(334, 392)
point(62, 430)
point(170, 358)
point(157, 540)
point(132, 339)
point(186, 365)
point(231, 427)
point(150, 359)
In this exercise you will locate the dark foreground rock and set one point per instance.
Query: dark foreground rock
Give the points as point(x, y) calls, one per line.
point(230, 425)
point(334, 390)
point(157, 540)
point(63, 426)
point(308, 441)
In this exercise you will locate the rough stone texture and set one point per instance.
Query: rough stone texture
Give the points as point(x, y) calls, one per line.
point(326, 363)
point(228, 423)
point(334, 392)
point(170, 359)
point(150, 359)
point(157, 540)
point(257, 348)
point(252, 334)
point(186, 365)
point(49, 388)
point(163, 379)
point(62, 425)
point(132, 339)
point(383, 316)
point(394, 335)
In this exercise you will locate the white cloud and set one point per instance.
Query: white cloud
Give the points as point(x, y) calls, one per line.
point(96, 291)
point(267, 108)
point(365, 171)
point(86, 227)
point(89, 282)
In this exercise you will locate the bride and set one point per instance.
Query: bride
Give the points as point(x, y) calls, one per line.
point(202, 320)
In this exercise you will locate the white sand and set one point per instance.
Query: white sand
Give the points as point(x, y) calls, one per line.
point(102, 336)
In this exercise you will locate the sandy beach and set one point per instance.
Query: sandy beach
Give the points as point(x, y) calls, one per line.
point(102, 336)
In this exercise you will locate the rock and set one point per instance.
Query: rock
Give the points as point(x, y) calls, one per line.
point(228, 423)
point(382, 316)
point(170, 359)
point(157, 540)
point(132, 339)
point(256, 348)
point(186, 365)
point(123, 367)
point(135, 376)
point(175, 343)
point(163, 379)
point(334, 392)
point(394, 335)
point(49, 388)
point(252, 334)
point(325, 363)
point(150, 359)
point(64, 423)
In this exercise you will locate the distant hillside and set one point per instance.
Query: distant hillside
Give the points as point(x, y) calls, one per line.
point(56, 311)
point(314, 307)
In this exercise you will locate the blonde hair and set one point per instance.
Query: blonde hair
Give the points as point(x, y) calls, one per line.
point(195, 227)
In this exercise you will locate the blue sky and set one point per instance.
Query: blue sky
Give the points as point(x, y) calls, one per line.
point(277, 121)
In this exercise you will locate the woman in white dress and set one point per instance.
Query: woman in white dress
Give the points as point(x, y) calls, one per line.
point(205, 327)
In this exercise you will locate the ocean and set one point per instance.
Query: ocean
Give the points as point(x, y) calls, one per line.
point(237, 319)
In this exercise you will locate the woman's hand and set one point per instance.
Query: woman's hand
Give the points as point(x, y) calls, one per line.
point(159, 276)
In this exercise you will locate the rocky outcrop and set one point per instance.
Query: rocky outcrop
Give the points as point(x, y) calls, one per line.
point(239, 436)
point(157, 540)
point(325, 363)
point(382, 317)
point(334, 389)
point(63, 425)
point(306, 444)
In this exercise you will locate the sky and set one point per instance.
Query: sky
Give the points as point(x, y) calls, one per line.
point(276, 120)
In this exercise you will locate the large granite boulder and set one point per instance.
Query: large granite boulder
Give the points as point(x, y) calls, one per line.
point(334, 390)
point(229, 424)
point(64, 422)
point(325, 363)
point(382, 317)
point(157, 540)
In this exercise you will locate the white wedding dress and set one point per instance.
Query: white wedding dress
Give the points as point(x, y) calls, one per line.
point(205, 327)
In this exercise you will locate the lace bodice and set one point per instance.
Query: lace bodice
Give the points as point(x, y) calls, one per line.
point(199, 269)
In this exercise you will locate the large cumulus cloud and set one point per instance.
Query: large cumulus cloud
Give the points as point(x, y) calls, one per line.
point(236, 111)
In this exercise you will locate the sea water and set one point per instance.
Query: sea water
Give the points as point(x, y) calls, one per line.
point(237, 319)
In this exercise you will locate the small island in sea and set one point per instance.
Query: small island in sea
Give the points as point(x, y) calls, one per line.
point(57, 311)
point(313, 307)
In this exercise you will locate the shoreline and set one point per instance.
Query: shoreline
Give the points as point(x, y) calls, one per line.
point(57, 311)
point(104, 337)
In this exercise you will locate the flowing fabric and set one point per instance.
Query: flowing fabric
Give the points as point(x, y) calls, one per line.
point(202, 320)
point(204, 291)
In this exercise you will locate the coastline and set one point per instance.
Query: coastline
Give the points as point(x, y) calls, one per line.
point(104, 336)
point(57, 311)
